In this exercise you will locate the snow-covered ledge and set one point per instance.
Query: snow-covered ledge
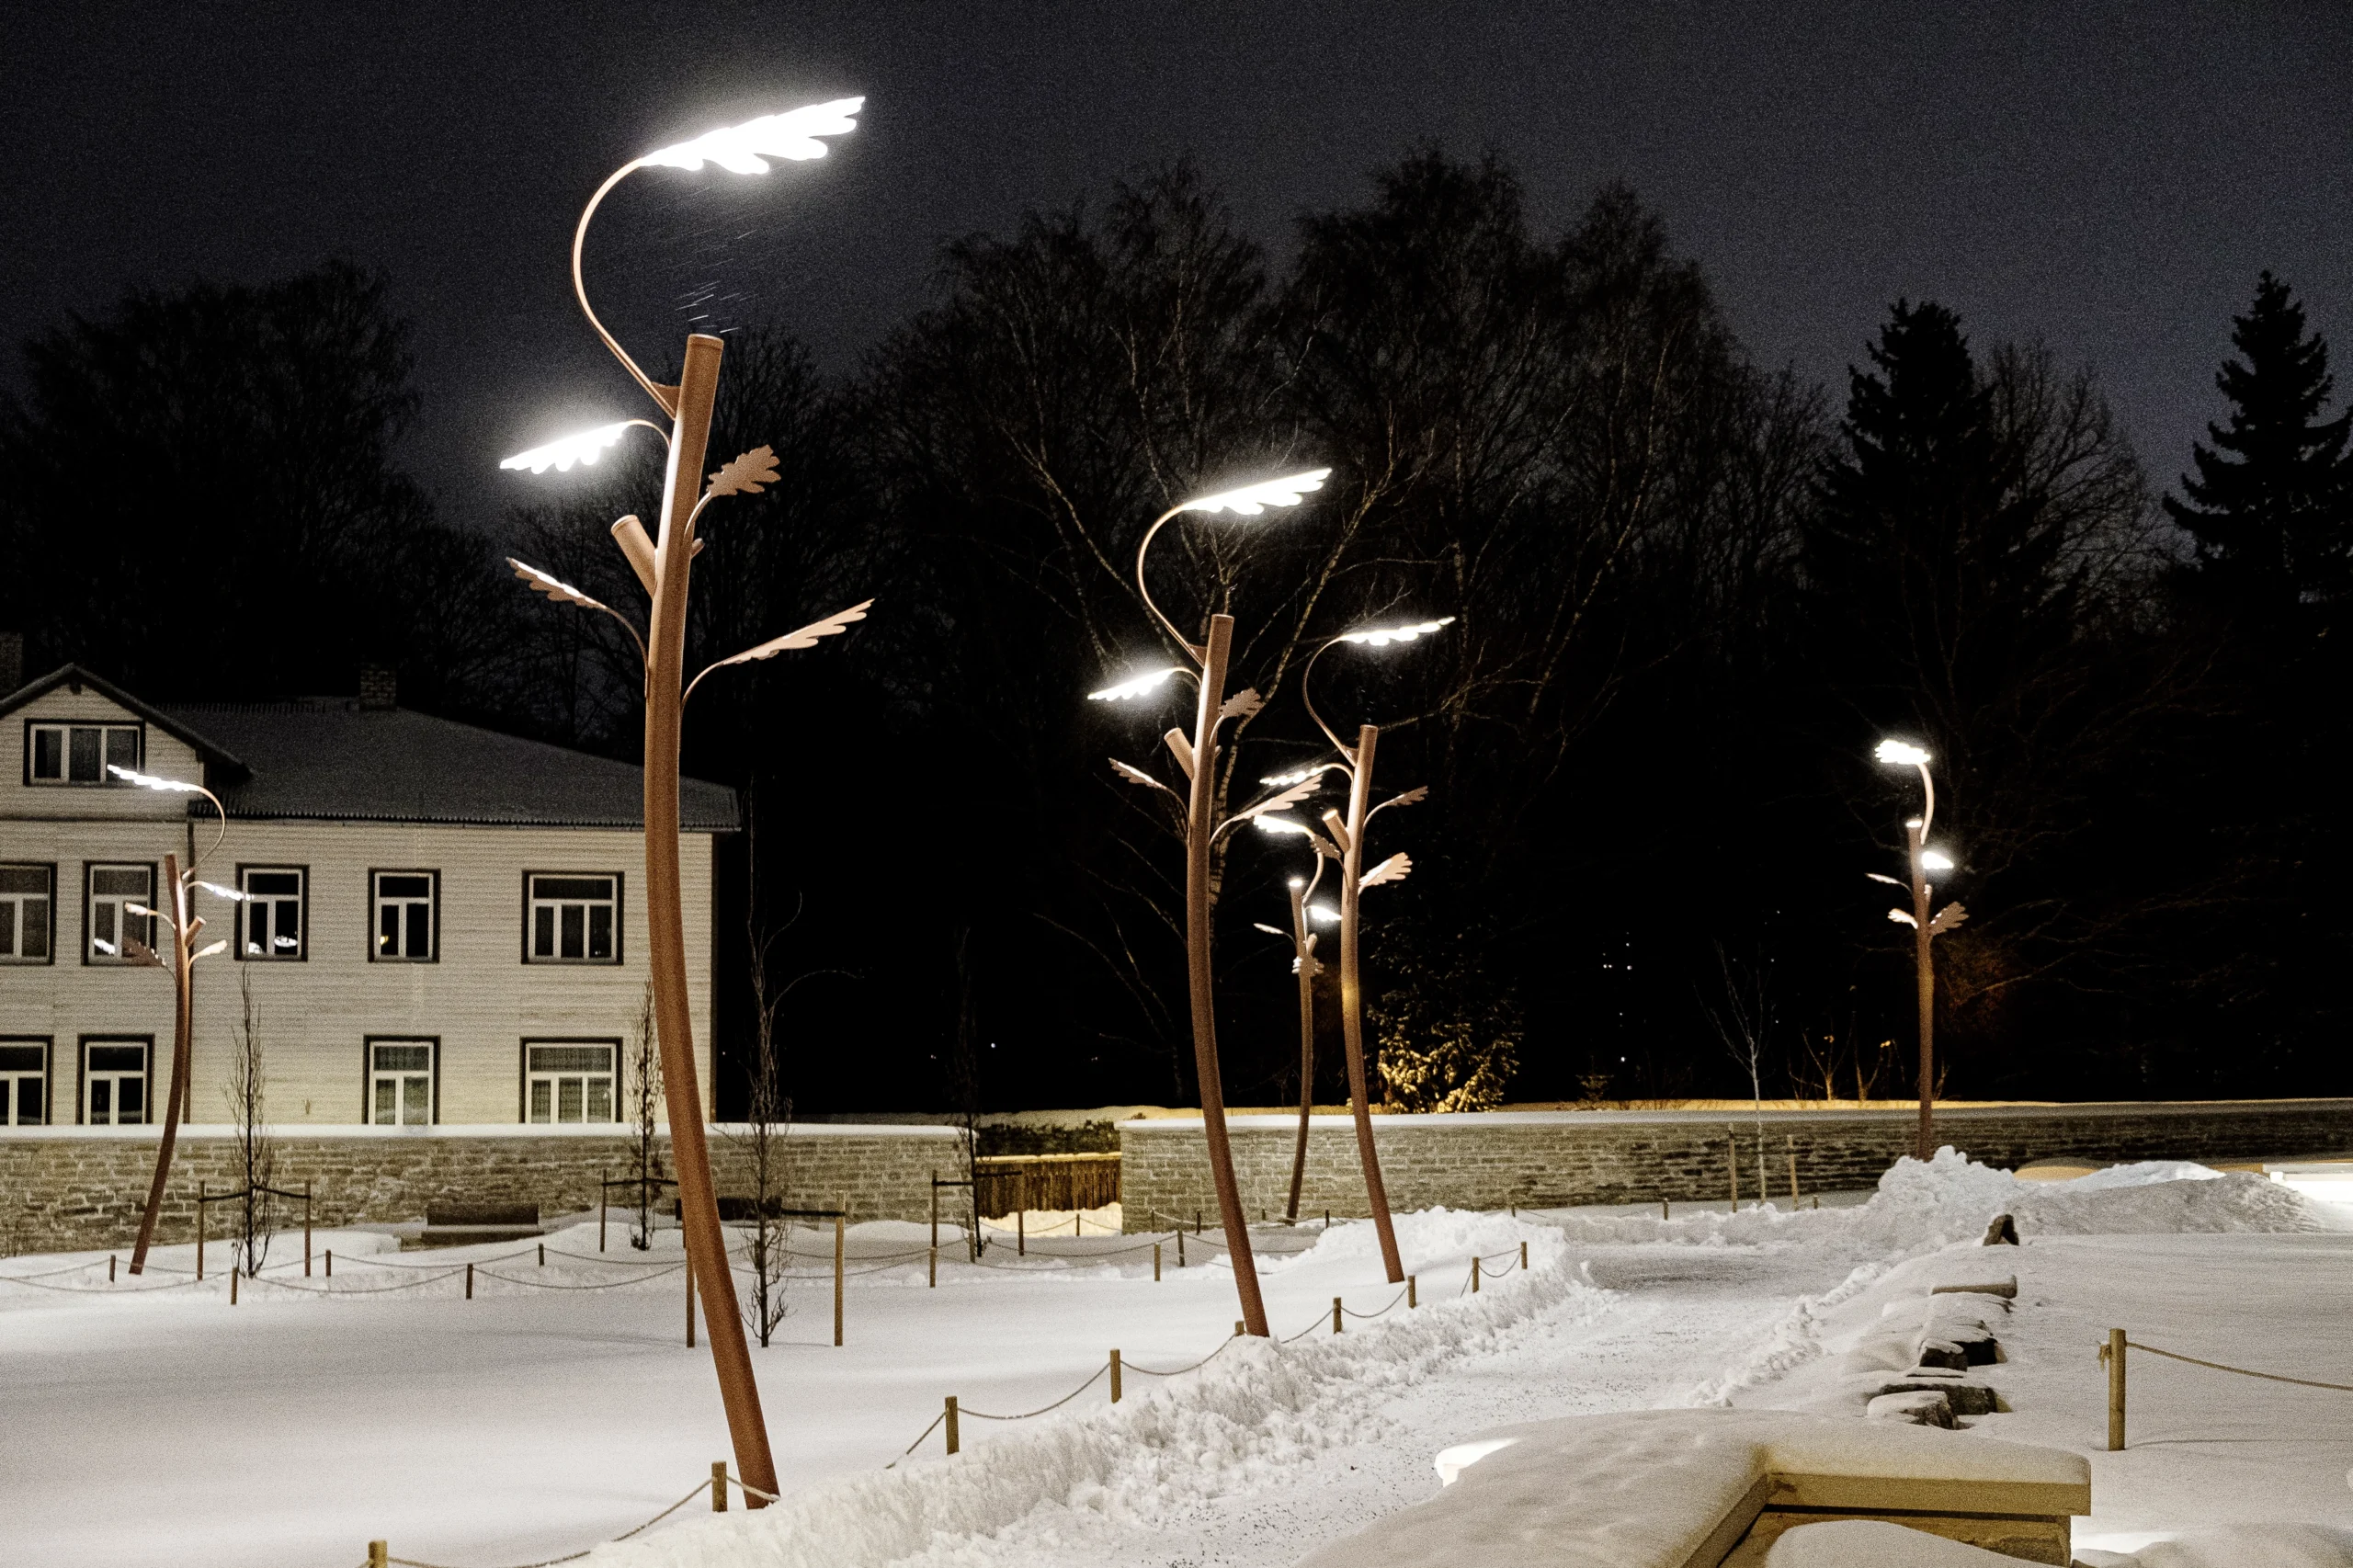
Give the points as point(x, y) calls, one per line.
point(1713, 1488)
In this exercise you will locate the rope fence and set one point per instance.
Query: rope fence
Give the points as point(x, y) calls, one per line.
point(2112, 1357)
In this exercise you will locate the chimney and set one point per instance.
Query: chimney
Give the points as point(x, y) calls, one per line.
point(380, 687)
point(12, 661)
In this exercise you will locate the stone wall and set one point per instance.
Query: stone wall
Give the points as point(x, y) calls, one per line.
point(1538, 1157)
point(66, 1188)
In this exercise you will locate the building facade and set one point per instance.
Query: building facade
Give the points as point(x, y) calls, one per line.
point(426, 922)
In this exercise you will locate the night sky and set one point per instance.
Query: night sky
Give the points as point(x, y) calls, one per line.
point(2109, 177)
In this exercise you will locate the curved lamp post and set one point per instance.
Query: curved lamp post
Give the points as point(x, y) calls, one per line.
point(660, 563)
point(1306, 966)
point(1347, 846)
point(1197, 758)
point(1925, 928)
point(184, 923)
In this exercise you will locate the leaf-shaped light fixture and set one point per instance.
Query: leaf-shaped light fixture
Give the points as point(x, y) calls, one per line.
point(582, 446)
point(832, 625)
point(1393, 870)
point(1134, 685)
point(1242, 704)
point(1382, 636)
point(1902, 753)
point(1137, 776)
point(1903, 917)
point(1277, 801)
point(741, 149)
point(150, 781)
point(555, 587)
point(1250, 500)
point(210, 948)
point(745, 475)
point(1950, 916)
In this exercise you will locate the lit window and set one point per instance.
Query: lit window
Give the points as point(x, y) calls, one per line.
point(24, 1083)
point(114, 1081)
point(27, 900)
point(404, 916)
point(569, 1082)
point(399, 1082)
point(79, 754)
point(271, 915)
point(111, 925)
point(573, 919)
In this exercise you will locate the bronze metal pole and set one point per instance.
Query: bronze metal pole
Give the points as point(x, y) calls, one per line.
point(1352, 997)
point(1306, 1041)
point(1200, 826)
point(665, 921)
point(182, 1056)
point(1925, 978)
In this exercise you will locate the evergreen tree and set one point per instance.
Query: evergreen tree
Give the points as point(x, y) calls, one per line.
point(2271, 506)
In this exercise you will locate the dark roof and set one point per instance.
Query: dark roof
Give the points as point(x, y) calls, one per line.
point(224, 764)
point(329, 757)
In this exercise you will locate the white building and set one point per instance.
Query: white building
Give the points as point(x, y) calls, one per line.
point(441, 923)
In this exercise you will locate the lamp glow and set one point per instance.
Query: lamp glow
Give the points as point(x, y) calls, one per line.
point(1935, 860)
point(1323, 912)
point(149, 781)
point(740, 149)
point(1382, 636)
point(217, 890)
point(1285, 780)
point(209, 949)
point(1136, 686)
point(1252, 499)
point(582, 447)
point(1269, 822)
point(1902, 753)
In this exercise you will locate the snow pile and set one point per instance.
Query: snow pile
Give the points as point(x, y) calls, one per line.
point(1254, 1411)
point(1875, 1543)
point(2242, 1546)
point(1924, 1205)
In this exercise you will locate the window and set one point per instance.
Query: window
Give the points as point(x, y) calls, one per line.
point(109, 925)
point(571, 919)
point(114, 1081)
point(399, 1082)
point(569, 1081)
point(272, 917)
point(27, 900)
point(404, 916)
point(79, 754)
point(24, 1083)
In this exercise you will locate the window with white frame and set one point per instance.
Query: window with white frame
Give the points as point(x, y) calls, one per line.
point(80, 754)
point(114, 1081)
point(569, 1081)
point(572, 918)
point(113, 892)
point(272, 914)
point(24, 1083)
point(399, 1082)
point(404, 916)
point(27, 903)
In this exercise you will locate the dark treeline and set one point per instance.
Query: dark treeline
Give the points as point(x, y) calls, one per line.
point(1687, 595)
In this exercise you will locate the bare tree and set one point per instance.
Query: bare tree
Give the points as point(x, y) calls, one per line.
point(768, 1124)
point(644, 1104)
point(1742, 1015)
point(246, 1093)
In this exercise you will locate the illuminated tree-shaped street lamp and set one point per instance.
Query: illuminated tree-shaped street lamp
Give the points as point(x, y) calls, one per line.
point(1306, 966)
point(1197, 759)
point(183, 924)
point(1346, 845)
point(1925, 927)
point(661, 564)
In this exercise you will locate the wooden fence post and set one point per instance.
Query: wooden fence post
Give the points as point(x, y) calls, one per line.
point(837, 1277)
point(306, 1227)
point(233, 1272)
point(1731, 1159)
point(717, 1474)
point(1793, 1174)
point(931, 1279)
point(2115, 1359)
point(544, 1254)
point(1474, 1273)
point(1667, 1208)
point(1335, 1315)
point(690, 1306)
point(951, 1424)
point(470, 1282)
point(1020, 1232)
point(377, 1555)
point(1115, 1377)
point(1523, 1257)
point(603, 1182)
point(1155, 1263)
point(330, 1263)
point(110, 1269)
point(201, 1211)
point(1180, 1247)
point(1411, 1300)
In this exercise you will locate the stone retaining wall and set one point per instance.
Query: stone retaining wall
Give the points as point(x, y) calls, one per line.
point(66, 1188)
point(1538, 1157)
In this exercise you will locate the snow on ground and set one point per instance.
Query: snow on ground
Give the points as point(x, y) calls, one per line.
point(530, 1422)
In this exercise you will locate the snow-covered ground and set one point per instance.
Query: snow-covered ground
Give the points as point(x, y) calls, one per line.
point(531, 1422)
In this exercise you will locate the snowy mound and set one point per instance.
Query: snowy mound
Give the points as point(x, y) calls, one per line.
point(1951, 1199)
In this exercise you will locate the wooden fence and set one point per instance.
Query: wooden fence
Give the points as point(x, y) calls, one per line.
point(1004, 1182)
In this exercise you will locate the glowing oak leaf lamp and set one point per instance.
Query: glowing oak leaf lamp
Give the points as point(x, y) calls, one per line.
point(662, 563)
point(1925, 928)
point(1197, 758)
